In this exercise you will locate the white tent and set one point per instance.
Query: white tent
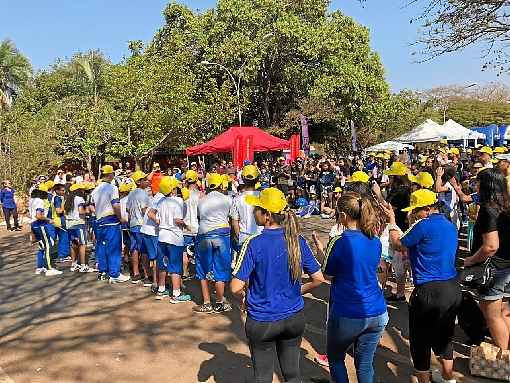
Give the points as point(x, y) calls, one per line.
point(428, 131)
point(452, 131)
point(389, 145)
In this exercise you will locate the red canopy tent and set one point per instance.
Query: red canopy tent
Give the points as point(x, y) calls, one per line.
point(242, 141)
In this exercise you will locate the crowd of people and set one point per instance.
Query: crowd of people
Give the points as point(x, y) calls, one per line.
point(397, 215)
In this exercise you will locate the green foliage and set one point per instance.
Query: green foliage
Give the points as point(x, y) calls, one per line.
point(472, 112)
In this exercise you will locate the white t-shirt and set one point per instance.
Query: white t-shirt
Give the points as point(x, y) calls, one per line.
point(123, 208)
point(138, 200)
point(336, 230)
point(104, 197)
point(214, 210)
point(191, 217)
point(37, 204)
point(170, 209)
point(150, 227)
point(73, 217)
point(243, 213)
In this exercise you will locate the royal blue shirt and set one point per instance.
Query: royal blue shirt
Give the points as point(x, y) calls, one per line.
point(352, 260)
point(263, 262)
point(7, 198)
point(432, 244)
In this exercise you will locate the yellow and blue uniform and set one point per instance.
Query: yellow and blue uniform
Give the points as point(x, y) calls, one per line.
point(63, 237)
point(44, 233)
point(109, 236)
point(263, 262)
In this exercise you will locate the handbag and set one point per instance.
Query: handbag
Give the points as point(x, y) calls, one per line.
point(479, 276)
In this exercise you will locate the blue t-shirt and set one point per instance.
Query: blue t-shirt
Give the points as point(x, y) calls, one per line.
point(263, 262)
point(432, 244)
point(352, 260)
point(7, 198)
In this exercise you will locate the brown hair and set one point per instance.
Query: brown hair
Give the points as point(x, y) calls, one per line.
point(361, 209)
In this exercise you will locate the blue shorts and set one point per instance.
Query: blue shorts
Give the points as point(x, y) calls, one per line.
point(501, 288)
point(170, 258)
point(150, 246)
point(77, 234)
point(189, 240)
point(212, 253)
point(136, 240)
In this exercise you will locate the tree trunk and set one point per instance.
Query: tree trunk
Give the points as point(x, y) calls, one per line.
point(89, 163)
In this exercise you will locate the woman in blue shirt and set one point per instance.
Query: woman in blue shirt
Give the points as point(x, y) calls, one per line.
point(9, 205)
point(357, 310)
point(432, 247)
point(268, 277)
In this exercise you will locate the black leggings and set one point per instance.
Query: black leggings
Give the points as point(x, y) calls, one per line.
point(433, 308)
point(7, 215)
point(284, 337)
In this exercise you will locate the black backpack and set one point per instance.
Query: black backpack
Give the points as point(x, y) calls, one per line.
point(471, 319)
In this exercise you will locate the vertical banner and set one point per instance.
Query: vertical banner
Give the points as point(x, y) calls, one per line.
point(237, 153)
point(248, 153)
point(304, 134)
point(354, 137)
point(295, 144)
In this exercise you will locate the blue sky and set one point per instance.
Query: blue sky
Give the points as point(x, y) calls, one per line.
point(47, 30)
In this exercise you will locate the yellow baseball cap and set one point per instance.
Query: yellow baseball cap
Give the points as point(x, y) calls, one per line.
point(270, 199)
point(454, 151)
point(77, 186)
point(421, 198)
point(250, 172)
point(487, 150)
point(500, 150)
point(191, 176)
point(168, 184)
point(125, 188)
point(50, 184)
point(138, 175)
point(444, 142)
point(185, 193)
point(338, 189)
point(214, 180)
point(90, 185)
point(380, 155)
point(397, 169)
point(43, 187)
point(359, 176)
point(423, 179)
point(107, 169)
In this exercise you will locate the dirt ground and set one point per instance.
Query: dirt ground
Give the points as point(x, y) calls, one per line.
point(72, 328)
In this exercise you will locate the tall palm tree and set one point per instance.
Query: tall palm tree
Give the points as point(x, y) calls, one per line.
point(15, 71)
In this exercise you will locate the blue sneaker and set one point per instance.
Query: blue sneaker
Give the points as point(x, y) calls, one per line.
point(180, 299)
point(162, 294)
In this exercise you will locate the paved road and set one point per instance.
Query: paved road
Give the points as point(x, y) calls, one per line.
point(72, 328)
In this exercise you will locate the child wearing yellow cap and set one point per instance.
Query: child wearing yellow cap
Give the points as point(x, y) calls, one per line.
point(75, 211)
point(42, 230)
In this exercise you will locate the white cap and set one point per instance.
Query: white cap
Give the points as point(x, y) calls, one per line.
point(503, 157)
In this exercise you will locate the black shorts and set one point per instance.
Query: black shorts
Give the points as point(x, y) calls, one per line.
point(433, 309)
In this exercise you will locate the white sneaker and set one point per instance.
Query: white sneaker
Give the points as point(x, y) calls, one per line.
point(87, 269)
point(75, 267)
point(120, 279)
point(40, 270)
point(437, 377)
point(52, 272)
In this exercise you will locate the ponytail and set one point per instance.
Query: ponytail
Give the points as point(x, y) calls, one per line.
point(69, 202)
point(361, 209)
point(292, 231)
point(290, 224)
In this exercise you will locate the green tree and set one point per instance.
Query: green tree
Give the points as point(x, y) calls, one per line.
point(15, 71)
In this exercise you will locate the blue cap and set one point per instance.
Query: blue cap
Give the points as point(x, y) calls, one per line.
point(246, 162)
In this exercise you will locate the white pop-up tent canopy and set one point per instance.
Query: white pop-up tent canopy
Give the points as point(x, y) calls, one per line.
point(428, 131)
point(394, 146)
point(453, 131)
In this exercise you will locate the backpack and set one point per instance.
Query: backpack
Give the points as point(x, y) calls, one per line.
point(471, 319)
